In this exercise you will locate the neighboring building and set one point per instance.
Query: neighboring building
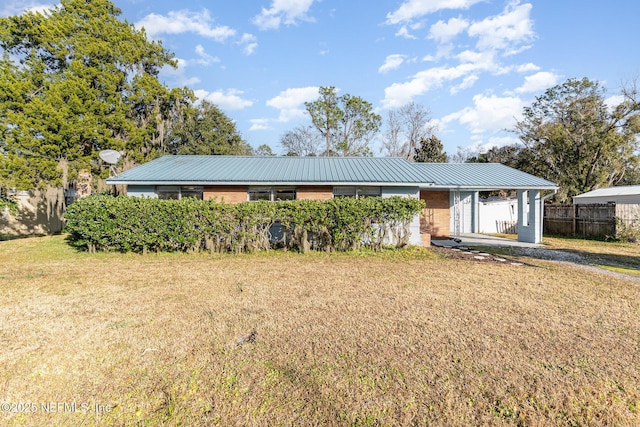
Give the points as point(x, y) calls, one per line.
point(629, 195)
point(450, 190)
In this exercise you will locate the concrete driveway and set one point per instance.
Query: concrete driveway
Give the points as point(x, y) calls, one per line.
point(482, 240)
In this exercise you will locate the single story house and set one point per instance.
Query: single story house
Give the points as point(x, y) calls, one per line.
point(629, 194)
point(450, 190)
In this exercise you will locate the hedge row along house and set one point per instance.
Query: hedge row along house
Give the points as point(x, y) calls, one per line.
point(450, 190)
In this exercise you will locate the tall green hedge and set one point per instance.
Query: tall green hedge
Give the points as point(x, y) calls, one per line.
point(131, 224)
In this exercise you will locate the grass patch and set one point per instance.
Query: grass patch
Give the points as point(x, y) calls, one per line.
point(392, 338)
point(615, 256)
point(621, 269)
point(625, 256)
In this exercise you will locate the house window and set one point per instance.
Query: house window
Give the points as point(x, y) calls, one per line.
point(176, 192)
point(168, 192)
point(356, 192)
point(273, 194)
point(284, 194)
point(192, 191)
point(256, 194)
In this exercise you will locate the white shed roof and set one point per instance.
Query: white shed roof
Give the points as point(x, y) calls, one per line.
point(627, 190)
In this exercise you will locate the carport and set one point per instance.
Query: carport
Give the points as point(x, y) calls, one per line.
point(453, 195)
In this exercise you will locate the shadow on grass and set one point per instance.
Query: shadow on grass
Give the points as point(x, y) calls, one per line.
point(614, 260)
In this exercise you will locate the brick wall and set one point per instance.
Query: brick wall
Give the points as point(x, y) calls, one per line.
point(230, 194)
point(314, 193)
point(436, 218)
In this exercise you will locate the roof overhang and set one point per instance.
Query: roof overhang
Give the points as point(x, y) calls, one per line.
point(486, 188)
point(271, 183)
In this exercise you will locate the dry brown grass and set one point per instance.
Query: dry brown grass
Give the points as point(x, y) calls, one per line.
point(391, 339)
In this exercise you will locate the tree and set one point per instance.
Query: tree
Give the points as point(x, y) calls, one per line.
point(347, 123)
point(77, 80)
point(204, 130)
point(391, 141)
point(510, 155)
point(263, 150)
point(430, 150)
point(406, 128)
point(325, 115)
point(302, 141)
point(463, 155)
point(358, 126)
point(572, 137)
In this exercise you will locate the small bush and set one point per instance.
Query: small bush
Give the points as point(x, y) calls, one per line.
point(130, 224)
point(628, 231)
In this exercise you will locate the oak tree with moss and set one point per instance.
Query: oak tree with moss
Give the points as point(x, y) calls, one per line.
point(77, 80)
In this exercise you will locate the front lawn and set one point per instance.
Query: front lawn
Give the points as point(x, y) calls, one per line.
point(395, 338)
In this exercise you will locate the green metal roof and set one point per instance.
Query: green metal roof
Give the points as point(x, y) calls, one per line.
point(480, 176)
point(272, 170)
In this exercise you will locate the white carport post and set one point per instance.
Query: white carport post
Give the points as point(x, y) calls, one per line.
point(529, 219)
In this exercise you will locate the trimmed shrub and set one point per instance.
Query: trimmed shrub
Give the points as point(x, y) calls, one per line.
point(131, 224)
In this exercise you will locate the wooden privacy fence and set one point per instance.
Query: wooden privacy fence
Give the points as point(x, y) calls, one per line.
point(592, 220)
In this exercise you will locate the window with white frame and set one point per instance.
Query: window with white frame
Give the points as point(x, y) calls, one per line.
point(273, 194)
point(177, 192)
point(357, 192)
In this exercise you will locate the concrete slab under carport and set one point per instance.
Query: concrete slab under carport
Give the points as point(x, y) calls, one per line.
point(474, 239)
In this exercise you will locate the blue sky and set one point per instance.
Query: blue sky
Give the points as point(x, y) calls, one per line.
point(473, 63)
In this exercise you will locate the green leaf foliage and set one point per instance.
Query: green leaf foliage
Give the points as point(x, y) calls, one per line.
point(77, 80)
point(130, 224)
point(346, 123)
point(205, 130)
point(572, 137)
point(430, 150)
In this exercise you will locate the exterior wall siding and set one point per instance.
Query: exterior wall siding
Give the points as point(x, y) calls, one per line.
point(630, 199)
point(436, 218)
point(230, 194)
point(314, 193)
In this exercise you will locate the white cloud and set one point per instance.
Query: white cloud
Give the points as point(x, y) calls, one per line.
point(489, 114)
point(391, 63)
point(287, 12)
point(259, 124)
point(538, 82)
point(413, 9)
point(230, 99)
point(185, 21)
point(399, 94)
point(404, 32)
point(527, 68)
point(17, 7)
point(204, 57)
point(486, 61)
point(443, 32)
point(467, 82)
point(509, 31)
point(291, 102)
point(250, 43)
